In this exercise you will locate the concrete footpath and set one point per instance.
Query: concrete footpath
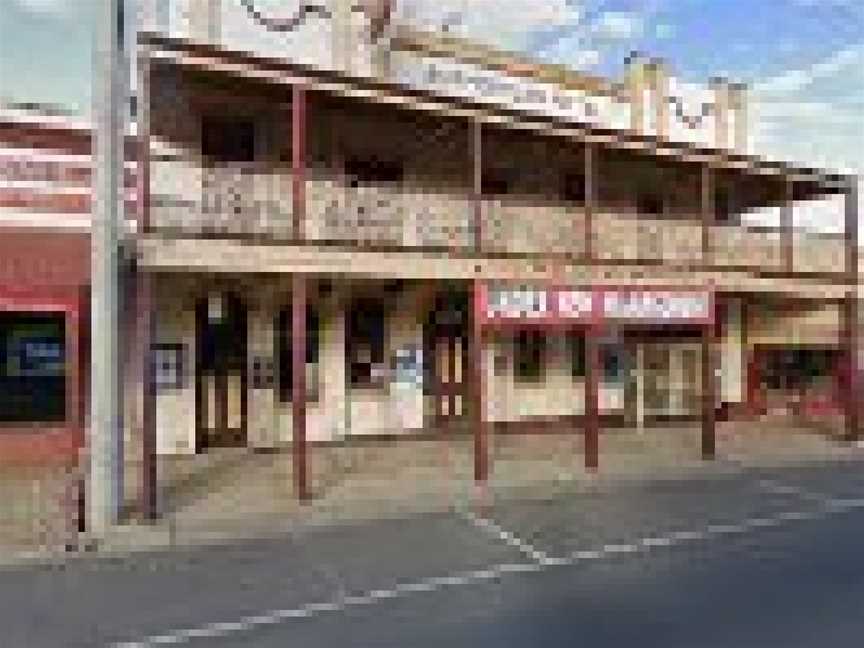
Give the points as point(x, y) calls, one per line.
point(236, 495)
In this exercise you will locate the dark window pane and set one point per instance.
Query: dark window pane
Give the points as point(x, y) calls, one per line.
point(576, 346)
point(227, 139)
point(495, 183)
point(365, 340)
point(574, 188)
point(649, 203)
point(284, 346)
point(530, 352)
point(364, 171)
point(32, 368)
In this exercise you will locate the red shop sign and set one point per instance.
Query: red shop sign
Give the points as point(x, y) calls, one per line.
point(637, 305)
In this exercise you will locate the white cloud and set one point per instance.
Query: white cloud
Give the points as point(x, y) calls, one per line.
point(505, 23)
point(572, 51)
point(619, 25)
point(794, 80)
point(813, 116)
point(47, 7)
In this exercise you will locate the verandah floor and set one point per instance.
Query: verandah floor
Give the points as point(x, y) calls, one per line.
point(374, 478)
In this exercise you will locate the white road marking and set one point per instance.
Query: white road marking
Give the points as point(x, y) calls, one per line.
point(433, 584)
point(778, 488)
point(511, 539)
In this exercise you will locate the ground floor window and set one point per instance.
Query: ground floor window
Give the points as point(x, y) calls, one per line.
point(32, 368)
point(365, 343)
point(798, 368)
point(615, 361)
point(285, 349)
point(576, 348)
point(530, 352)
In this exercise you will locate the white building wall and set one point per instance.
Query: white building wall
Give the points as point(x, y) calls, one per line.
point(261, 421)
point(732, 360)
point(175, 408)
point(558, 394)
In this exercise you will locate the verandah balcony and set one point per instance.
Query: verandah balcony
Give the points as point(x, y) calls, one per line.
point(189, 199)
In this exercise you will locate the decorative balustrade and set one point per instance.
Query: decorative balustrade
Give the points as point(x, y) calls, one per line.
point(188, 199)
point(671, 241)
point(634, 238)
point(386, 216)
point(739, 246)
point(814, 252)
point(523, 226)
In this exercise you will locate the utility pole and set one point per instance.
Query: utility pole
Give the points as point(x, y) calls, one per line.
point(105, 436)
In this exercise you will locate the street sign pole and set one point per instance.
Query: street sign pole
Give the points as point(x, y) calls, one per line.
point(105, 438)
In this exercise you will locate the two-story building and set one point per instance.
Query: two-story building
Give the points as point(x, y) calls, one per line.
point(354, 228)
point(349, 228)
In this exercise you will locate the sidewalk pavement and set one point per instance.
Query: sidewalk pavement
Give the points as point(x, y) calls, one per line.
point(235, 495)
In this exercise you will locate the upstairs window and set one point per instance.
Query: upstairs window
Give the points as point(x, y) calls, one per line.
point(495, 183)
point(228, 139)
point(573, 189)
point(372, 171)
point(650, 204)
point(722, 206)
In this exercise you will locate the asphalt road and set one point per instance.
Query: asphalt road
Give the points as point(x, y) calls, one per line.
point(761, 558)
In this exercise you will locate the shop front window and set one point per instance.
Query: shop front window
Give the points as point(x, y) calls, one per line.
point(285, 346)
point(615, 365)
point(789, 369)
point(530, 354)
point(32, 368)
point(365, 344)
point(576, 346)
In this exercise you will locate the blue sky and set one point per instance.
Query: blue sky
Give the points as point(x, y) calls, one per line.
point(804, 59)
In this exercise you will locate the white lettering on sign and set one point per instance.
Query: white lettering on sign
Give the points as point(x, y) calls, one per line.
point(575, 303)
point(458, 79)
point(520, 303)
point(578, 303)
point(656, 305)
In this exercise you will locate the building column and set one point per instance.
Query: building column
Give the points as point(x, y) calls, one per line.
point(708, 209)
point(476, 131)
point(298, 385)
point(478, 407)
point(787, 232)
point(590, 199)
point(709, 413)
point(640, 387)
point(143, 373)
point(298, 159)
point(77, 397)
point(592, 399)
point(852, 374)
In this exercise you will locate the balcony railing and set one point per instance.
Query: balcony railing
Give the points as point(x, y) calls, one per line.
point(814, 252)
point(230, 200)
point(750, 247)
point(623, 238)
point(383, 215)
point(189, 199)
point(522, 226)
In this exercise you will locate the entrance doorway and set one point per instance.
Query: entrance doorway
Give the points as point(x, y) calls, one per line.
point(666, 382)
point(221, 374)
point(446, 351)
